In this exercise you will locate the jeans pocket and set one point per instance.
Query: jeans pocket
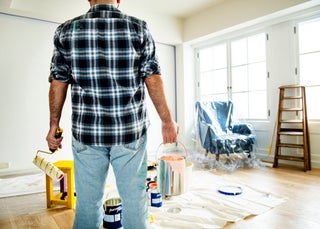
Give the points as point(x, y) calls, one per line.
point(78, 146)
point(136, 145)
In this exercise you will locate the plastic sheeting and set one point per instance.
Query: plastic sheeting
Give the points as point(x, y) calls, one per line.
point(219, 133)
point(228, 143)
point(226, 163)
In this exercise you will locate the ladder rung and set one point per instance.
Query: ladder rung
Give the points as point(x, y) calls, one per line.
point(291, 86)
point(291, 109)
point(291, 121)
point(287, 145)
point(292, 133)
point(291, 129)
point(290, 158)
point(292, 97)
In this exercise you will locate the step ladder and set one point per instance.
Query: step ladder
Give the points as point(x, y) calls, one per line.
point(292, 142)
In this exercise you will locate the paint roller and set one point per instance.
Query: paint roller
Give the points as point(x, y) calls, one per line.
point(49, 168)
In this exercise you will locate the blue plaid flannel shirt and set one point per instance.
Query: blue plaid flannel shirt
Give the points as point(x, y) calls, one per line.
point(105, 55)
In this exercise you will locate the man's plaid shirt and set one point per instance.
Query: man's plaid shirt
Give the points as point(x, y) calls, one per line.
point(105, 55)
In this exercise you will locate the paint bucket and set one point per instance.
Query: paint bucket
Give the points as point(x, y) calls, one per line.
point(156, 198)
point(188, 176)
point(113, 214)
point(171, 169)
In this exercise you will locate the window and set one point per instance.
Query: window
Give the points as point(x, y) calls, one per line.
point(236, 70)
point(309, 59)
point(213, 73)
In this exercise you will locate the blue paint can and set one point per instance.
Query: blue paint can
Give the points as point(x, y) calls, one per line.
point(113, 214)
point(156, 199)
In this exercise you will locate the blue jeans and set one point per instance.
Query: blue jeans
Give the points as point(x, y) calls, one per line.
point(91, 165)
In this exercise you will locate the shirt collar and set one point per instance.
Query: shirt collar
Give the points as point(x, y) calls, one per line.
point(103, 7)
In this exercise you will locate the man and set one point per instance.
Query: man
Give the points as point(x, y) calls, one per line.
point(108, 58)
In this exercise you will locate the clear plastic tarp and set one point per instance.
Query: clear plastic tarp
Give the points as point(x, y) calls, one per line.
point(227, 143)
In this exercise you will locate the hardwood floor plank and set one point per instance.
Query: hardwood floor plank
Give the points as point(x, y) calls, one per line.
point(64, 219)
point(37, 220)
point(5, 223)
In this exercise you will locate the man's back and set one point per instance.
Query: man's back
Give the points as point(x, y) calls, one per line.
point(106, 55)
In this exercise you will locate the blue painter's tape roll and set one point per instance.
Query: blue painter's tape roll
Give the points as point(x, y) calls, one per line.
point(230, 190)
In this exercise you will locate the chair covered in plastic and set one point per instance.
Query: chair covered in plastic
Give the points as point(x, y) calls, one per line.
point(219, 133)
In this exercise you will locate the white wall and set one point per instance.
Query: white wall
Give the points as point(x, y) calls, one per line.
point(186, 94)
point(230, 13)
point(24, 87)
point(166, 55)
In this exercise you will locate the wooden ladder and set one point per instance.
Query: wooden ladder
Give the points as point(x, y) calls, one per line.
point(292, 141)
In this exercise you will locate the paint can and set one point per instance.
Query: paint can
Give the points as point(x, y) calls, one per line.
point(113, 214)
point(171, 169)
point(156, 198)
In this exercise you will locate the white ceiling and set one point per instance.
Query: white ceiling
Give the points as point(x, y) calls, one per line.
point(177, 8)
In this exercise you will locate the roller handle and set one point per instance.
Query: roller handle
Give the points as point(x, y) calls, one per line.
point(57, 135)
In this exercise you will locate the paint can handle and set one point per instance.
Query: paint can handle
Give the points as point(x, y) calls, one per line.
point(176, 144)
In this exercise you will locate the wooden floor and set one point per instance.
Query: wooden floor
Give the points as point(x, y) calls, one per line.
point(300, 211)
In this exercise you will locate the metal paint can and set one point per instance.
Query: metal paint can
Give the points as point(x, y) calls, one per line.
point(113, 214)
point(171, 169)
point(155, 198)
point(171, 174)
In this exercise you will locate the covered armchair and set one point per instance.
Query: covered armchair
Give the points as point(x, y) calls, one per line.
point(219, 133)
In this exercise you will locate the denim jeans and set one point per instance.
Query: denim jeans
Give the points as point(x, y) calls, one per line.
point(129, 163)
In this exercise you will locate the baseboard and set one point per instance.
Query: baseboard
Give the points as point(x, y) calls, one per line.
point(18, 172)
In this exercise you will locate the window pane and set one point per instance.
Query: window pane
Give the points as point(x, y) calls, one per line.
point(206, 80)
point(240, 102)
point(220, 84)
point(213, 82)
point(309, 59)
point(239, 79)
point(206, 59)
point(218, 97)
point(258, 105)
point(312, 98)
point(239, 52)
point(310, 68)
point(309, 36)
point(206, 97)
point(257, 76)
point(220, 56)
point(257, 48)
point(213, 58)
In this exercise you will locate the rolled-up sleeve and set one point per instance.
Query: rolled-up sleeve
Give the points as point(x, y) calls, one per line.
point(60, 68)
point(149, 64)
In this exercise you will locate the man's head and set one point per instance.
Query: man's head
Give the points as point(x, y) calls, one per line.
point(94, 2)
